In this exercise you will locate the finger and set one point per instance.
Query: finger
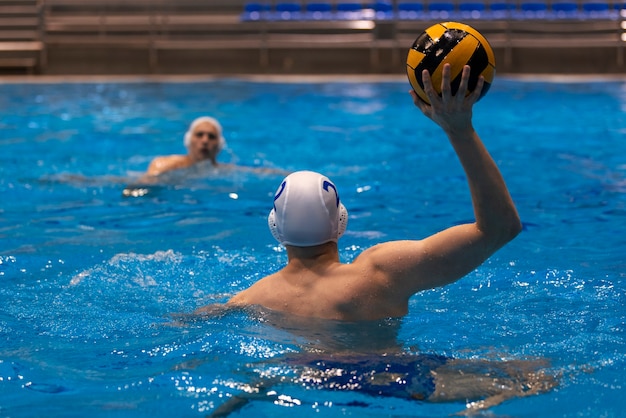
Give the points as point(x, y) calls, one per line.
point(446, 89)
point(415, 97)
point(428, 86)
point(478, 90)
point(419, 103)
point(463, 85)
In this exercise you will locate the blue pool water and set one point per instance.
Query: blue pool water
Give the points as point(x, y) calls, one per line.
point(91, 280)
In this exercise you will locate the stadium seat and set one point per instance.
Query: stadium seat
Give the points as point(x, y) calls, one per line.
point(596, 6)
point(255, 11)
point(500, 9)
point(383, 9)
point(349, 11)
point(532, 9)
point(318, 11)
point(597, 10)
point(440, 9)
point(287, 11)
point(472, 9)
point(564, 9)
point(410, 10)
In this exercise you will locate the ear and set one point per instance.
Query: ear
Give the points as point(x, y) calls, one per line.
point(271, 222)
point(343, 220)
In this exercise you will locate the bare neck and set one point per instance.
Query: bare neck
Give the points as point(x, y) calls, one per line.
point(312, 257)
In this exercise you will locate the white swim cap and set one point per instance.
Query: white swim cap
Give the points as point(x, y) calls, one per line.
point(307, 211)
point(212, 121)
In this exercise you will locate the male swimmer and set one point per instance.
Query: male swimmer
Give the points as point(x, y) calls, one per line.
point(308, 218)
point(204, 141)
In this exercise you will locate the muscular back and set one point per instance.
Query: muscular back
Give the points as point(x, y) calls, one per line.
point(329, 290)
point(379, 282)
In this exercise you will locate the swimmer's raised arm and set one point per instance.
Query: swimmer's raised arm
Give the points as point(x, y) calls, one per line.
point(445, 257)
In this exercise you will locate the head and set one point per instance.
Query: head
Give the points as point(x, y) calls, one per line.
point(204, 139)
point(307, 211)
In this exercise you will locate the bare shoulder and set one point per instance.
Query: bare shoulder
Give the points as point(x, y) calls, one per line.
point(170, 159)
point(256, 294)
point(392, 255)
point(434, 261)
point(409, 266)
point(240, 299)
point(165, 163)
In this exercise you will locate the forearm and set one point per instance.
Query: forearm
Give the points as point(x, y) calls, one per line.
point(496, 216)
point(494, 209)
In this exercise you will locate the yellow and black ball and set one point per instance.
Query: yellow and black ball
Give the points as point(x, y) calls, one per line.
point(457, 44)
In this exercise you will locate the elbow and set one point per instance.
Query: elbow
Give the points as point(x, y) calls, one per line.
point(510, 223)
point(515, 227)
point(503, 232)
point(511, 228)
point(515, 223)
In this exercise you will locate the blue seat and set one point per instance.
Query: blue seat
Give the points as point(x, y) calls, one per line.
point(502, 6)
point(472, 9)
point(349, 7)
point(534, 6)
point(440, 9)
point(318, 11)
point(598, 10)
point(501, 9)
point(255, 11)
point(383, 10)
point(287, 11)
point(349, 11)
point(532, 9)
point(595, 6)
point(564, 9)
point(410, 10)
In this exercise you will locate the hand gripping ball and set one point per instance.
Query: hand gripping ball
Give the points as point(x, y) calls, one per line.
point(454, 43)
